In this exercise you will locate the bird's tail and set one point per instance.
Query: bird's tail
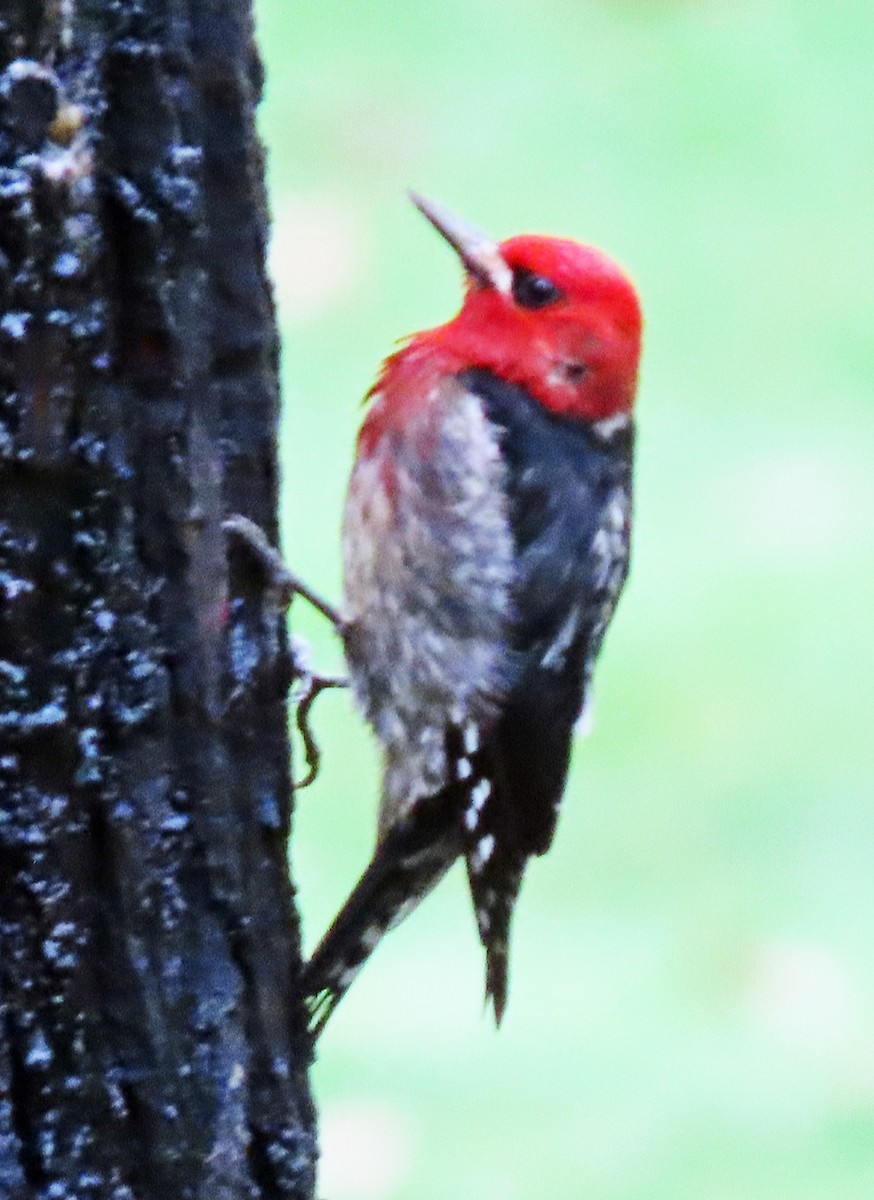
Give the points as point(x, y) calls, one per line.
point(410, 859)
point(494, 898)
point(495, 865)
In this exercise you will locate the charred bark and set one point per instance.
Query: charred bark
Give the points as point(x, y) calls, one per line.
point(152, 1039)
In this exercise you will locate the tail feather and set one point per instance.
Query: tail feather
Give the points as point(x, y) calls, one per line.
point(469, 817)
point(494, 871)
point(409, 861)
point(497, 980)
point(494, 897)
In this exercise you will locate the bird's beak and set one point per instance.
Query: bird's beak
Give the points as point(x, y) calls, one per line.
point(480, 254)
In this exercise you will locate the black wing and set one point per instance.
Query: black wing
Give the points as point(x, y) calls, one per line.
point(561, 483)
point(569, 498)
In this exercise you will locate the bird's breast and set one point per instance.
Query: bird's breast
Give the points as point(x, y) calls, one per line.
point(428, 568)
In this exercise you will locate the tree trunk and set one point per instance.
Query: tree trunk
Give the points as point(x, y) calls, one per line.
point(152, 1038)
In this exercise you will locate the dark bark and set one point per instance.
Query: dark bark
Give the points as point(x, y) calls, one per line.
point(152, 1038)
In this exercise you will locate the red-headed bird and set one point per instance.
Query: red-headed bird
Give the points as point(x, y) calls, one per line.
point(486, 541)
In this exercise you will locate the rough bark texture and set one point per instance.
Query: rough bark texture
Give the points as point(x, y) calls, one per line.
point(152, 1040)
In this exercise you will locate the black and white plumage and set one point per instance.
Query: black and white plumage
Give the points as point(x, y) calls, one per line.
point(486, 543)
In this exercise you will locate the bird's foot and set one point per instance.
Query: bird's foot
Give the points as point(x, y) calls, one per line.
point(307, 684)
point(308, 687)
point(286, 583)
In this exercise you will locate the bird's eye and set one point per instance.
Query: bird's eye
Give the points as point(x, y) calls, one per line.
point(533, 291)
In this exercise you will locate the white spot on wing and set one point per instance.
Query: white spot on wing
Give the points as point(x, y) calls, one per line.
point(463, 769)
point(471, 738)
point(610, 426)
point(480, 794)
point(484, 849)
point(553, 659)
point(617, 512)
point(601, 542)
point(586, 720)
point(609, 547)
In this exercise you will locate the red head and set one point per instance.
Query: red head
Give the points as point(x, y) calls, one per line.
point(556, 317)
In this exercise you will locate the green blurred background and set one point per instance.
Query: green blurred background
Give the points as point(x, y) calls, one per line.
point(692, 1003)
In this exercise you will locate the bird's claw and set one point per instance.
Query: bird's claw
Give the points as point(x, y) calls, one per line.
point(285, 582)
point(309, 687)
point(286, 585)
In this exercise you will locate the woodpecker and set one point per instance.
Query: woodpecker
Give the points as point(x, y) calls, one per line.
point(485, 543)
